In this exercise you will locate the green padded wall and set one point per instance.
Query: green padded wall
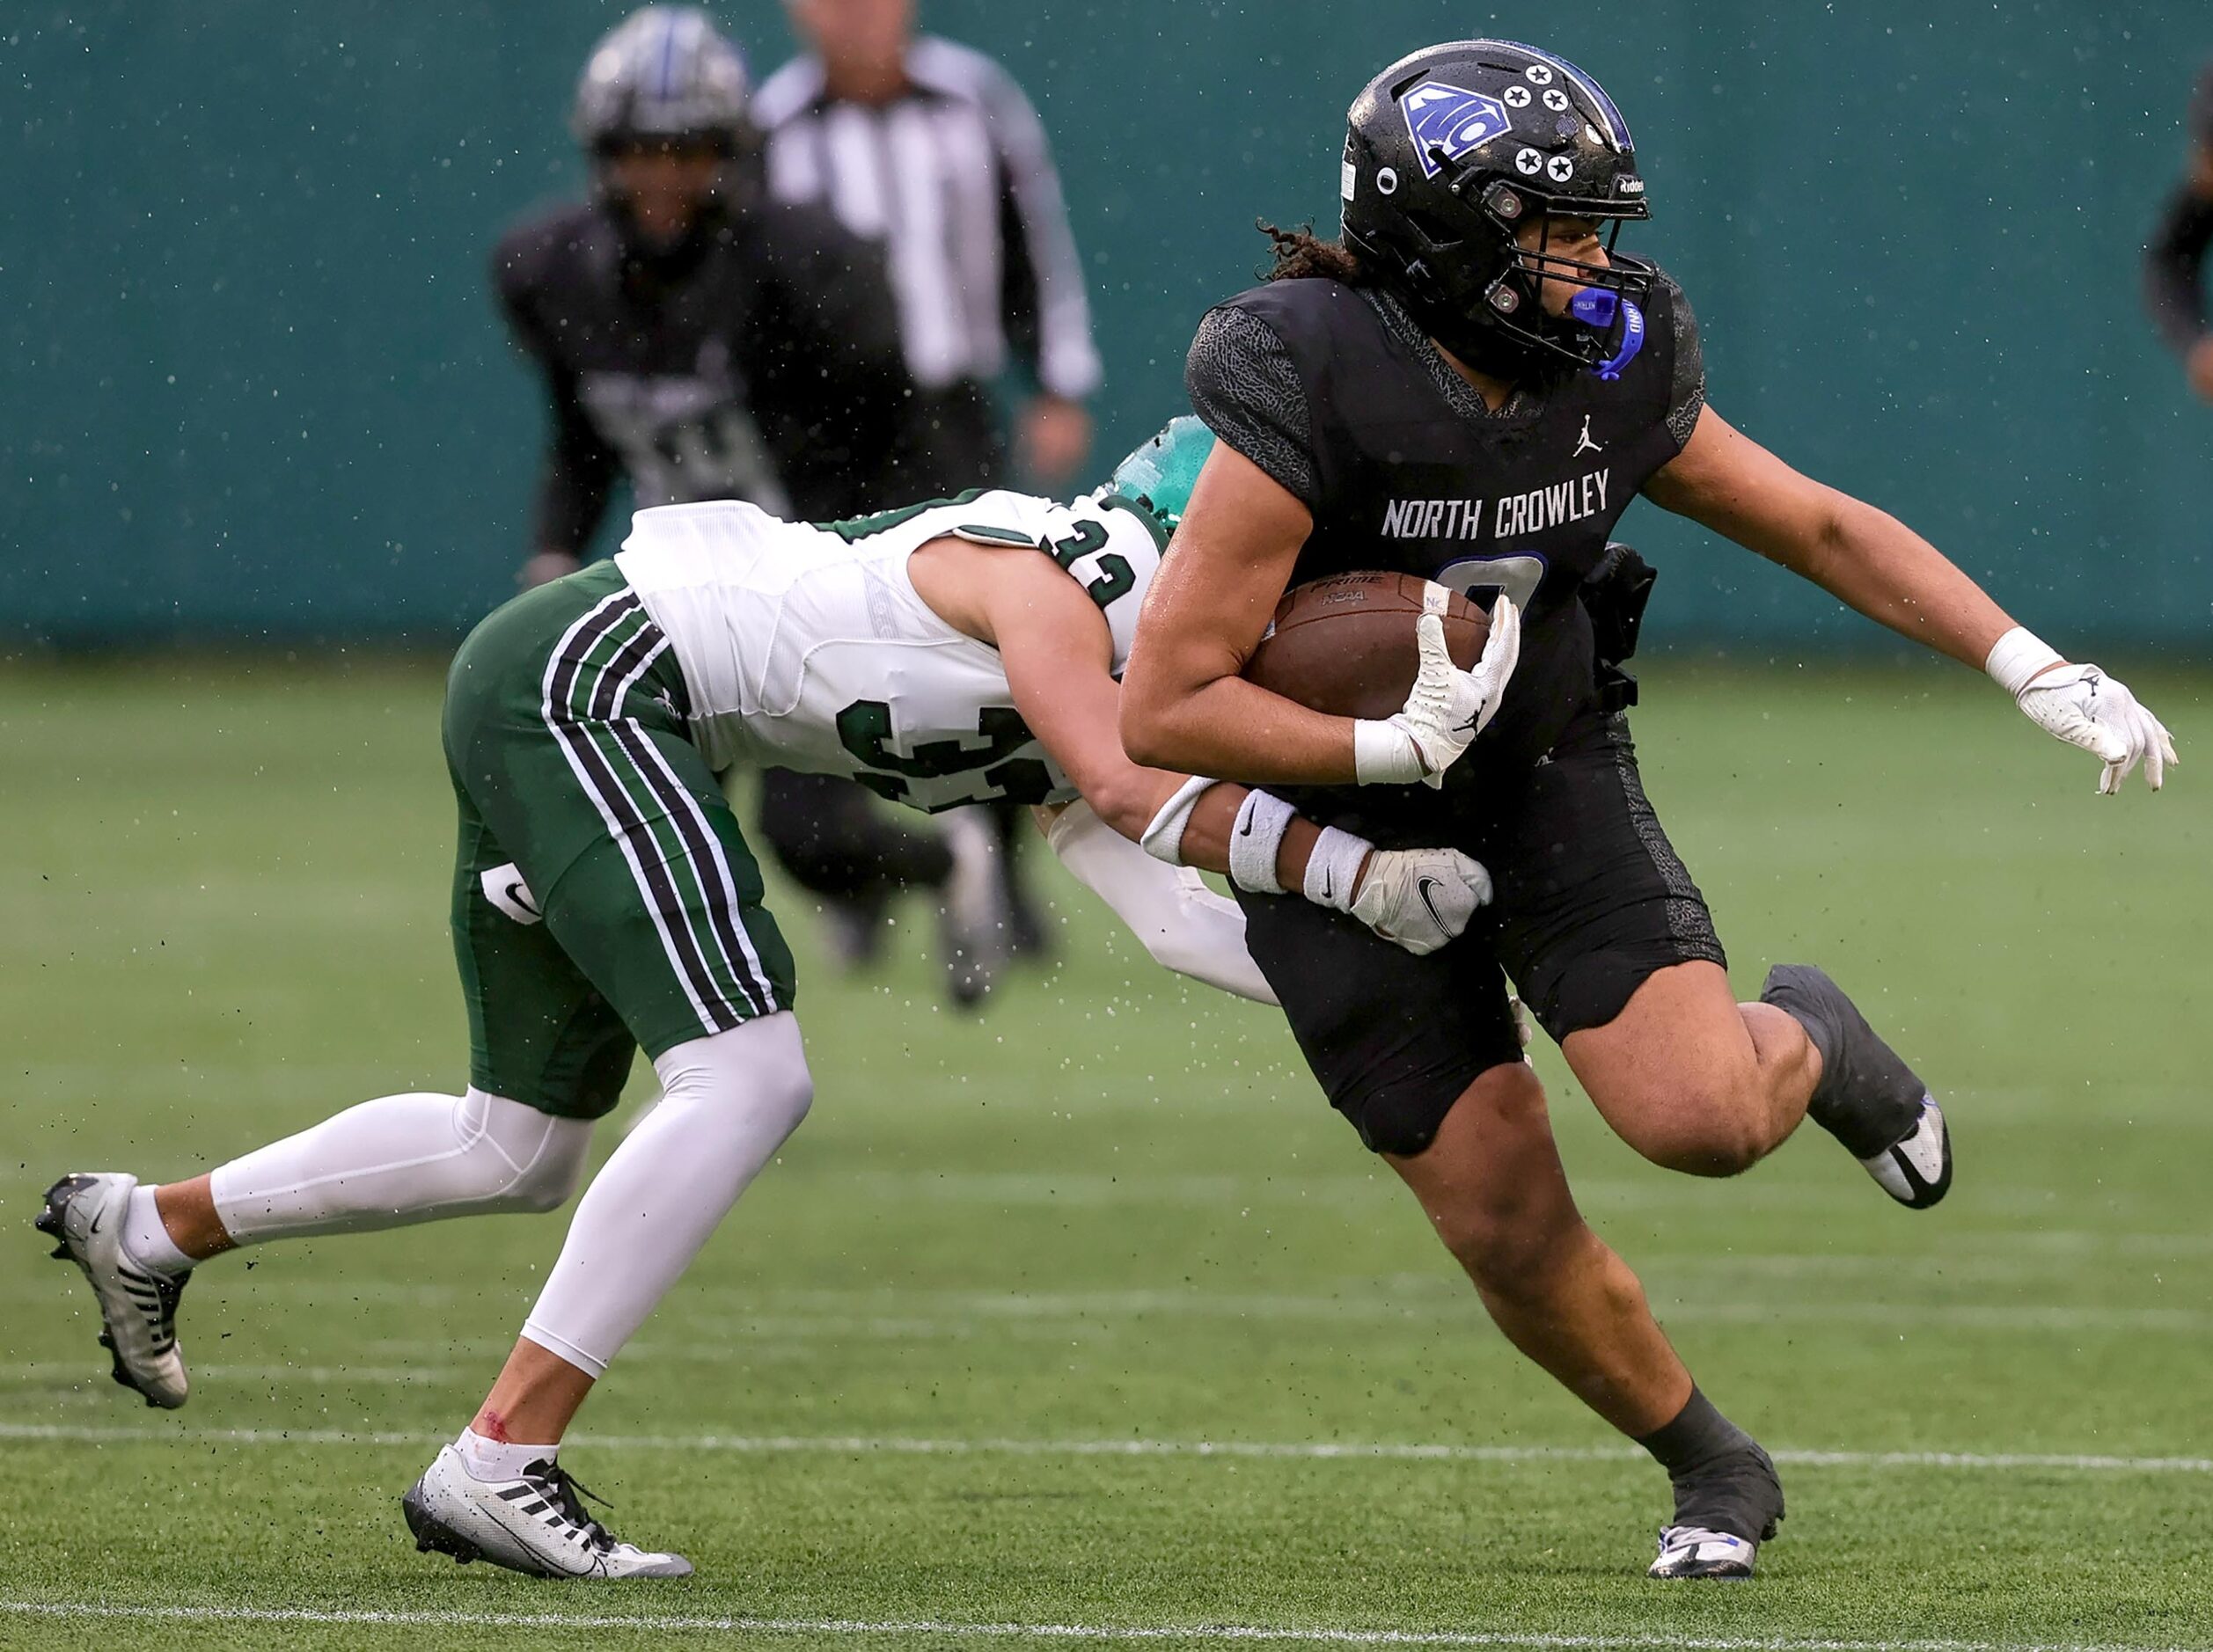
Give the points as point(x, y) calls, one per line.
point(255, 389)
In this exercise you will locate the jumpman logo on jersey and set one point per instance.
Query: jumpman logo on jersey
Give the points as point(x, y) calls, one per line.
point(1584, 444)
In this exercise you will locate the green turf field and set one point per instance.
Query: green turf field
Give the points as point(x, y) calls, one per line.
point(1088, 1319)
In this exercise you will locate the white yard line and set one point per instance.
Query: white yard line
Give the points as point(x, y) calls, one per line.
point(72, 1372)
point(1321, 1451)
point(738, 1313)
point(953, 1629)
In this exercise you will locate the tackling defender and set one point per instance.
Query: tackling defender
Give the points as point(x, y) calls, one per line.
point(1472, 387)
point(604, 900)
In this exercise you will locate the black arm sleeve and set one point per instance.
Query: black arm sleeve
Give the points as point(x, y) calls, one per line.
point(1018, 279)
point(2174, 268)
point(1246, 389)
point(578, 475)
point(1043, 307)
point(1687, 386)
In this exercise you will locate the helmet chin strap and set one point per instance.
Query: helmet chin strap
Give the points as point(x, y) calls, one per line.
point(1488, 350)
point(1501, 354)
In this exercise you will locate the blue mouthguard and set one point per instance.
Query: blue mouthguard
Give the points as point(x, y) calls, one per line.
point(1596, 308)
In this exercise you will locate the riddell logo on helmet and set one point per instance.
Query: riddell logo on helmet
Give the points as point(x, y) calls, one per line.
point(1451, 118)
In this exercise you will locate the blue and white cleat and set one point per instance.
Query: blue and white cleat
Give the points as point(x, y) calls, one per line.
point(84, 1215)
point(1697, 1552)
point(1916, 1169)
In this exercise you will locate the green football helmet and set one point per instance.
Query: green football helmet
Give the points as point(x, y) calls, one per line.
point(1160, 475)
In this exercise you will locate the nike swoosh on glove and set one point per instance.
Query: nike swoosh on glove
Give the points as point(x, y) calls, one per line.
point(2082, 705)
point(1447, 709)
point(1420, 898)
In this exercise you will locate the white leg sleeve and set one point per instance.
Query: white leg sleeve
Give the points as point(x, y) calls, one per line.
point(727, 1102)
point(399, 1159)
point(1185, 925)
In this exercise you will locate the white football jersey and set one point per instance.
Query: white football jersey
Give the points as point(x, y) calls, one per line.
point(806, 645)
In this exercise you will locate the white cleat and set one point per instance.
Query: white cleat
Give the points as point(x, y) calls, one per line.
point(1696, 1552)
point(1916, 1170)
point(84, 1214)
point(535, 1523)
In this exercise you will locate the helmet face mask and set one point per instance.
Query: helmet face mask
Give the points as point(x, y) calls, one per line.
point(1451, 155)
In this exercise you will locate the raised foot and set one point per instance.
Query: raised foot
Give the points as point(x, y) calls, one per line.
point(84, 1211)
point(1916, 1169)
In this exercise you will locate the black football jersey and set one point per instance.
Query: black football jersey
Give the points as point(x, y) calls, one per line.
point(1334, 391)
point(759, 361)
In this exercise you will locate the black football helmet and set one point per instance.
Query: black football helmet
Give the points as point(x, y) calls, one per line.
point(664, 74)
point(1449, 152)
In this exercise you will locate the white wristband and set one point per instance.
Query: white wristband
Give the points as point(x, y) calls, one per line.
point(2017, 657)
point(1253, 846)
point(1334, 867)
point(1384, 754)
point(1163, 836)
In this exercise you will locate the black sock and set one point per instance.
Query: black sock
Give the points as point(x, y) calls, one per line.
point(1700, 1435)
point(1723, 1480)
point(1867, 1098)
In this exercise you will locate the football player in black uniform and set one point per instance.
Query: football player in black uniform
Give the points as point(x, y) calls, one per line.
point(712, 343)
point(1471, 386)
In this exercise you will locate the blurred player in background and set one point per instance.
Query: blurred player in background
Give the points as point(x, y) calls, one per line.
point(708, 343)
point(605, 900)
point(931, 149)
point(2174, 262)
point(1472, 386)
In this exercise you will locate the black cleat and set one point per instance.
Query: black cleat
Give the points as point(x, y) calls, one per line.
point(1916, 1169)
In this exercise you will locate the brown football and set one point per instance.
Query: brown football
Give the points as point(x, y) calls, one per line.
point(1346, 645)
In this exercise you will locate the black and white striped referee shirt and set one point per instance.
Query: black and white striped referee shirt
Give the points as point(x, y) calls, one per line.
point(955, 177)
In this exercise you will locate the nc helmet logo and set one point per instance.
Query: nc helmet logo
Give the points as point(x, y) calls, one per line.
point(1439, 116)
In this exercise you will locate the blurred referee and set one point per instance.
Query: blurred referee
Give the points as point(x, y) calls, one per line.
point(2174, 262)
point(931, 148)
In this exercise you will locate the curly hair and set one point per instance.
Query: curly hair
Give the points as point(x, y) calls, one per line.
point(1300, 252)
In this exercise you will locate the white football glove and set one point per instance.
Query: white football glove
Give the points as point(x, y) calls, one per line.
point(2082, 705)
point(1447, 708)
point(1420, 898)
point(1417, 898)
